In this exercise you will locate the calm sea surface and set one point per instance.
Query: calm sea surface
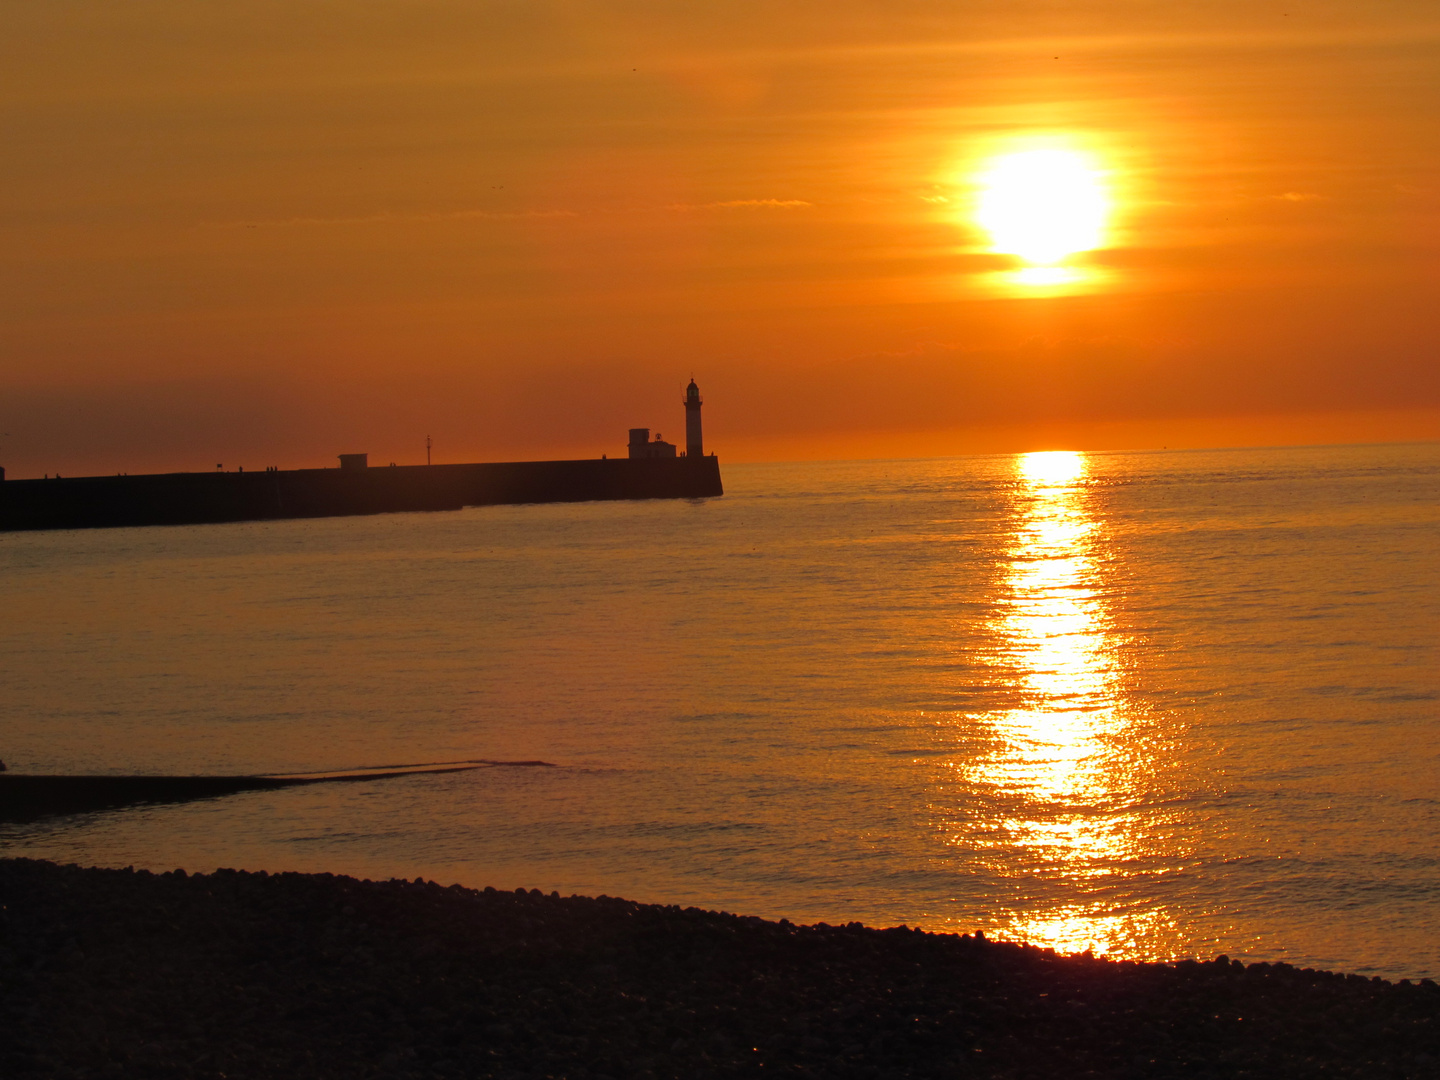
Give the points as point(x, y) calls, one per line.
point(1154, 705)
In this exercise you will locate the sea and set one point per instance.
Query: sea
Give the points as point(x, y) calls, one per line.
point(1150, 705)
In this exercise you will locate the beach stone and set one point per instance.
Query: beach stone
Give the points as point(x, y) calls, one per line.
point(253, 975)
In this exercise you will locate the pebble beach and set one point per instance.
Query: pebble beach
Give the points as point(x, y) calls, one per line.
point(234, 974)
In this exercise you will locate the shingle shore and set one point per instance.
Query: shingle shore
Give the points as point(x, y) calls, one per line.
point(131, 974)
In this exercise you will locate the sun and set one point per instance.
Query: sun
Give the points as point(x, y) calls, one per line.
point(1043, 205)
point(1052, 468)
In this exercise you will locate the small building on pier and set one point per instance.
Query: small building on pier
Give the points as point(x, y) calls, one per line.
point(642, 446)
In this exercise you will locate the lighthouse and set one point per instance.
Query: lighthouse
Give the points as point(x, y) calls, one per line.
point(694, 444)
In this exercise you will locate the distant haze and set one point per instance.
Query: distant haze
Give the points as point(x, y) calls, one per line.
point(270, 233)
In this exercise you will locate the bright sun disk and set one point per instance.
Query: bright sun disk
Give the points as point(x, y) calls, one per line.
point(1043, 205)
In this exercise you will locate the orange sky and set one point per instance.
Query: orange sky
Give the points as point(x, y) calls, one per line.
point(266, 233)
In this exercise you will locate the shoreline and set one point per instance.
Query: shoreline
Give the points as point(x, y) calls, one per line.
point(238, 974)
point(26, 797)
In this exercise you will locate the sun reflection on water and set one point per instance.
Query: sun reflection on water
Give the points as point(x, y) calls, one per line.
point(1054, 640)
point(1085, 928)
point(1062, 770)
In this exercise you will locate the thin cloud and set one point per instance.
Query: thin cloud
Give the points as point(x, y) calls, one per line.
point(729, 204)
point(381, 219)
point(501, 215)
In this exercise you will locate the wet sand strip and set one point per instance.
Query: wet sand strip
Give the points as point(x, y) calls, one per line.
point(30, 797)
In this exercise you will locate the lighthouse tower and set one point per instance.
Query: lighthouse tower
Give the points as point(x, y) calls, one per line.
point(694, 444)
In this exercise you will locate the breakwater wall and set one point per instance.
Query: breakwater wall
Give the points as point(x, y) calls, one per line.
point(199, 498)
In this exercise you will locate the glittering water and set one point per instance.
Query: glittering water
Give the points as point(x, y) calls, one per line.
point(1149, 704)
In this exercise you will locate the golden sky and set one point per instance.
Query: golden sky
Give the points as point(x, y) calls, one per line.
point(265, 233)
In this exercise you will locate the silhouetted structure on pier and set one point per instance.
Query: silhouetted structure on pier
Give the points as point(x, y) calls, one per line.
point(642, 446)
point(355, 488)
point(694, 444)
